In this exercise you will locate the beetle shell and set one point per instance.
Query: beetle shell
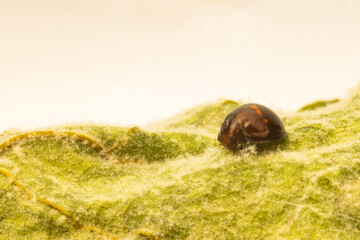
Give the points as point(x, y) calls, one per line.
point(253, 123)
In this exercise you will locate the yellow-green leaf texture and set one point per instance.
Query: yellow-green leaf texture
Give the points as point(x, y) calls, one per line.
point(173, 180)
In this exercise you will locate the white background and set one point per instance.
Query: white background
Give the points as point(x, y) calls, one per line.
point(135, 61)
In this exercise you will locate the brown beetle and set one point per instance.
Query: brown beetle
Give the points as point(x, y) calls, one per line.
point(253, 123)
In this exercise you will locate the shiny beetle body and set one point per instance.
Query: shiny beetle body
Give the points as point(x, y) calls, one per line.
point(253, 123)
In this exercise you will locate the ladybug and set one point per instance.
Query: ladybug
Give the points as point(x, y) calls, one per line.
point(253, 123)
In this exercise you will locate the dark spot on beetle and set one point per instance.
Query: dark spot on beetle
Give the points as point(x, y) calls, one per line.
point(232, 140)
point(251, 123)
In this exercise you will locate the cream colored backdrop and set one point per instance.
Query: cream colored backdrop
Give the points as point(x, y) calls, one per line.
point(135, 61)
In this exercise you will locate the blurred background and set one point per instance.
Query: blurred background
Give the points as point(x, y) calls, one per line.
point(134, 61)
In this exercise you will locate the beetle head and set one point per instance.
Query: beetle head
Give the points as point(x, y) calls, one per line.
point(229, 133)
